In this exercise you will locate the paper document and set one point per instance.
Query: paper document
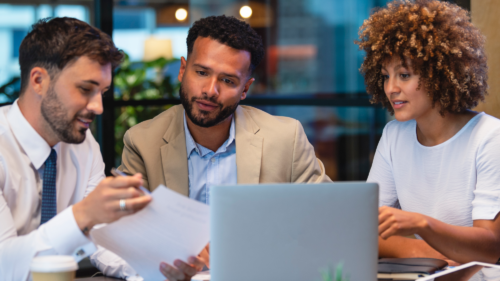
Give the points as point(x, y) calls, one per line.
point(202, 276)
point(171, 227)
point(490, 271)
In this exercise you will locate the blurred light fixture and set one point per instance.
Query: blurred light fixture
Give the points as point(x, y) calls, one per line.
point(155, 48)
point(181, 14)
point(245, 12)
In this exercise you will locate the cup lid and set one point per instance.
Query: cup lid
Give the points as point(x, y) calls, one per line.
point(53, 264)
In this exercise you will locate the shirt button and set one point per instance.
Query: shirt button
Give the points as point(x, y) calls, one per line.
point(213, 160)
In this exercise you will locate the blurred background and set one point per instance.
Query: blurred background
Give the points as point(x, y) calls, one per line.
point(310, 70)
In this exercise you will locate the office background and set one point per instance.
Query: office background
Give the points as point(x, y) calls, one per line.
point(310, 70)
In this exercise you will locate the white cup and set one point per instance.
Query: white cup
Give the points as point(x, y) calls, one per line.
point(53, 268)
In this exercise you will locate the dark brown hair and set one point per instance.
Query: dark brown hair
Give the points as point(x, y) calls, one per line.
point(439, 42)
point(54, 42)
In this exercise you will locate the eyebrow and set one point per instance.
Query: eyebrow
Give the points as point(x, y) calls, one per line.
point(396, 68)
point(91, 82)
point(97, 84)
point(223, 73)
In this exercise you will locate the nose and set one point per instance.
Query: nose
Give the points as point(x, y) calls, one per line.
point(95, 104)
point(211, 88)
point(391, 86)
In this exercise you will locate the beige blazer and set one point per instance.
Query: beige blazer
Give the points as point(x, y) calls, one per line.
point(269, 149)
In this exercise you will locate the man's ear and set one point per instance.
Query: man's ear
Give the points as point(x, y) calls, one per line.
point(247, 86)
point(39, 80)
point(182, 69)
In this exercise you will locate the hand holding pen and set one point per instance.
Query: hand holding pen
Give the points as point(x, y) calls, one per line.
point(115, 172)
point(110, 200)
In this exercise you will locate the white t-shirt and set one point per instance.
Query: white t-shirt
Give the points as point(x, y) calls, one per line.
point(456, 182)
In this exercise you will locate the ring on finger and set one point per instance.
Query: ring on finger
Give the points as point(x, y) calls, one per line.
point(123, 206)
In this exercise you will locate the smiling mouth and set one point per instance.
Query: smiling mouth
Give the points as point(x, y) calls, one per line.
point(399, 104)
point(86, 123)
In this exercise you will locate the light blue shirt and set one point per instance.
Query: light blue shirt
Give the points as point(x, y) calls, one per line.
point(207, 168)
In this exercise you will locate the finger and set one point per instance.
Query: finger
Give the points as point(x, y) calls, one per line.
point(131, 192)
point(384, 226)
point(391, 228)
point(197, 262)
point(205, 256)
point(383, 215)
point(123, 182)
point(138, 203)
point(171, 272)
point(185, 268)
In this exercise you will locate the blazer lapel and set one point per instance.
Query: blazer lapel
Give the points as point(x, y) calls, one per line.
point(248, 148)
point(174, 156)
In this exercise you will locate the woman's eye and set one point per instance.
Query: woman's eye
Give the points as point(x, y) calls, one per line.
point(405, 75)
point(385, 76)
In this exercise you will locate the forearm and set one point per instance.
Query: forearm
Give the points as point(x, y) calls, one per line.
point(59, 236)
point(461, 244)
point(402, 247)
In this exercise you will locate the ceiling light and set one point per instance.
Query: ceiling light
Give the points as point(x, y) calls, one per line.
point(245, 12)
point(181, 14)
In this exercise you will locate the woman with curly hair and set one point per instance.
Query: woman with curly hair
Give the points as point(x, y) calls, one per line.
point(438, 163)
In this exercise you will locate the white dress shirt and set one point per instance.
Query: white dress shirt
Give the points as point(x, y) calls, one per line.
point(22, 156)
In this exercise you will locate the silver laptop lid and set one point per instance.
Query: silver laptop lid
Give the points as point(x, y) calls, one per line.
point(293, 231)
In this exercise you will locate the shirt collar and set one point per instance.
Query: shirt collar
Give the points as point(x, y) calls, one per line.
point(202, 151)
point(37, 149)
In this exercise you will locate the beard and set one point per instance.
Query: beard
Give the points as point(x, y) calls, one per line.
point(56, 116)
point(203, 118)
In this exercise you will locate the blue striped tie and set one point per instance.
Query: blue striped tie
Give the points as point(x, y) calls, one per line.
point(49, 198)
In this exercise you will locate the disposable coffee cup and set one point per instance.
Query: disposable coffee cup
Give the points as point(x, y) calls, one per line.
point(53, 268)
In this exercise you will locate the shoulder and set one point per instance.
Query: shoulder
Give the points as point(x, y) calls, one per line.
point(154, 129)
point(161, 121)
point(485, 130)
point(486, 124)
point(270, 123)
point(4, 124)
point(7, 139)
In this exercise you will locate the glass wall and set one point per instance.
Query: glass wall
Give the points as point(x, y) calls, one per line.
point(15, 21)
point(310, 52)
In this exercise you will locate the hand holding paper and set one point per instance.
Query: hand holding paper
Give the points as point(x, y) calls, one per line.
point(171, 227)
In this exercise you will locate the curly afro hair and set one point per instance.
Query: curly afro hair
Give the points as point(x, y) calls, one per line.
point(440, 44)
point(231, 32)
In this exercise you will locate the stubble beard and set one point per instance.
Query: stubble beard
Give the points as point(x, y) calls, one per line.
point(55, 114)
point(203, 119)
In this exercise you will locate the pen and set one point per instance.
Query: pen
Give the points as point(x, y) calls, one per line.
point(115, 172)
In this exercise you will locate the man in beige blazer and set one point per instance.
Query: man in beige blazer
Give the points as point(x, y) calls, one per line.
point(269, 149)
point(222, 53)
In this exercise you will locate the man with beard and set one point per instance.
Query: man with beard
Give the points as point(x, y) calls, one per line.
point(52, 184)
point(210, 139)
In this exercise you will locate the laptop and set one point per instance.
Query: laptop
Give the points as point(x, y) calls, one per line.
point(294, 231)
